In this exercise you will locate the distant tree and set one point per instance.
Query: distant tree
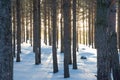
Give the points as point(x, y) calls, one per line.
point(83, 21)
point(62, 28)
point(31, 22)
point(23, 21)
point(6, 56)
point(49, 24)
point(18, 30)
point(45, 21)
point(89, 23)
point(26, 21)
point(13, 27)
point(92, 23)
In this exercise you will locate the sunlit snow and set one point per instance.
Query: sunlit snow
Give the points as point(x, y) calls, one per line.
point(27, 70)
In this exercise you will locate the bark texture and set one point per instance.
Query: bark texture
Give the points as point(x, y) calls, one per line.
point(6, 56)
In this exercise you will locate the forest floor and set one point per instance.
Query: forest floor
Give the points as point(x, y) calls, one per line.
point(27, 70)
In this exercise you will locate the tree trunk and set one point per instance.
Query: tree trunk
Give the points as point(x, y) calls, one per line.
point(6, 56)
point(26, 22)
point(62, 29)
point(66, 7)
point(31, 22)
point(37, 31)
point(74, 35)
point(45, 23)
point(112, 40)
point(89, 24)
point(83, 14)
point(106, 41)
point(13, 28)
point(18, 30)
point(49, 26)
point(92, 29)
point(103, 63)
point(119, 24)
point(69, 33)
point(54, 25)
point(23, 23)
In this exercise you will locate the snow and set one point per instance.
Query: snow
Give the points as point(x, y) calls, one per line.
point(27, 70)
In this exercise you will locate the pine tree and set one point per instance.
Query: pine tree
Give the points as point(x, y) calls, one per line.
point(18, 30)
point(54, 25)
point(36, 31)
point(74, 35)
point(112, 40)
point(6, 56)
point(106, 41)
point(66, 7)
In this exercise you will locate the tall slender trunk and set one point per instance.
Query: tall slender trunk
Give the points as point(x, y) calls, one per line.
point(74, 35)
point(62, 29)
point(37, 31)
point(69, 31)
point(45, 23)
point(66, 9)
point(18, 30)
point(83, 14)
point(89, 24)
point(23, 23)
point(49, 26)
point(54, 25)
point(118, 24)
point(14, 29)
point(92, 27)
point(31, 22)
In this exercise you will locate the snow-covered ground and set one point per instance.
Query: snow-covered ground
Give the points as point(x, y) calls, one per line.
point(27, 70)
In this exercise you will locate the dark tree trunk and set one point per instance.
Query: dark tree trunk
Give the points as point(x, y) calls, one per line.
point(31, 22)
point(6, 56)
point(74, 35)
point(34, 24)
point(106, 41)
point(54, 25)
point(92, 29)
point(112, 40)
point(66, 7)
point(69, 30)
point(18, 30)
point(49, 26)
point(23, 24)
point(62, 29)
point(103, 64)
point(37, 31)
point(57, 30)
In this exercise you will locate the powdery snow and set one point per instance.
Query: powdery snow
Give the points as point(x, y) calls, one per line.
point(27, 70)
